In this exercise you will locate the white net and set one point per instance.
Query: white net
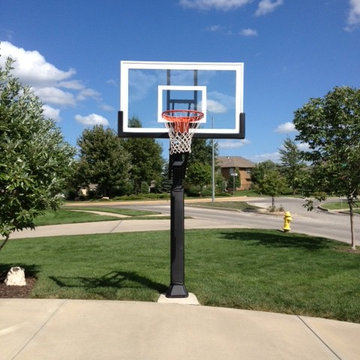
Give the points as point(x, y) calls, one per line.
point(181, 125)
point(180, 142)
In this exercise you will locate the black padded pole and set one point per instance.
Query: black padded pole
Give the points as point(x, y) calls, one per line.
point(177, 287)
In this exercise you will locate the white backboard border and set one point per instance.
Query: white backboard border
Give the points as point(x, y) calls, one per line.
point(125, 66)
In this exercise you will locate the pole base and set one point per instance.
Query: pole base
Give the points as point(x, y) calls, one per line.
point(177, 291)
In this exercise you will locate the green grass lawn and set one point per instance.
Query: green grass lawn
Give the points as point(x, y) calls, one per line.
point(63, 216)
point(341, 205)
point(121, 211)
point(66, 215)
point(248, 269)
point(249, 193)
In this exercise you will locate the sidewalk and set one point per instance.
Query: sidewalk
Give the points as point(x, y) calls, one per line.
point(85, 330)
point(115, 226)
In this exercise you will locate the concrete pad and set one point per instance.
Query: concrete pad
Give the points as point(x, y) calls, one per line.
point(341, 336)
point(20, 321)
point(190, 300)
point(77, 329)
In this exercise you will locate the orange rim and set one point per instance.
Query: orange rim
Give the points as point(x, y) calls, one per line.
point(180, 121)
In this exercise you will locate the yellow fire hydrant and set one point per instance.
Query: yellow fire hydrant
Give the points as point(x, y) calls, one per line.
point(287, 220)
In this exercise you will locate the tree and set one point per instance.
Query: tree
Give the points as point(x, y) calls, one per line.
point(272, 184)
point(292, 164)
point(199, 173)
point(34, 156)
point(331, 127)
point(146, 160)
point(199, 161)
point(201, 151)
point(259, 171)
point(103, 161)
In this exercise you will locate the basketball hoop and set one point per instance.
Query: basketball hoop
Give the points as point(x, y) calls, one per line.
point(181, 125)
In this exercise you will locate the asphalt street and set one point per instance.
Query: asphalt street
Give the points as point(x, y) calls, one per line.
point(317, 222)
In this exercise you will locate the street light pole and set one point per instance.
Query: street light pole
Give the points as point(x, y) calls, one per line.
point(234, 175)
point(213, 165)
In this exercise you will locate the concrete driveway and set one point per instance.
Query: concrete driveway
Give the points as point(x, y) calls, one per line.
point(59, 329)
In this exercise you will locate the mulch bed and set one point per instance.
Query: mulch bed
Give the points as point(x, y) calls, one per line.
point(16, 291)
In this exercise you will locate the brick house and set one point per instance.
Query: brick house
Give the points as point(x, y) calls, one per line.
point(229, 164)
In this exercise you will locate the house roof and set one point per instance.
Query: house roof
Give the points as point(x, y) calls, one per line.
point(234, 162)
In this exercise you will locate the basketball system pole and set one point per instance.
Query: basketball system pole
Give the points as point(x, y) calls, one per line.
point(177, 287)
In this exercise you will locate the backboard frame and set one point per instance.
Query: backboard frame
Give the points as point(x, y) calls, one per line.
point(238, 132)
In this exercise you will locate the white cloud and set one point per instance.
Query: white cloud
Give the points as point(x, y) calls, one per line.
point(225, 100)
point(285, 128)
point(72, 84)
point(232, 144)
point(106, 107)
point(248, 32)
point(51, 113)
point(92, 119)
point(53, 95)
point(140, 83)
point(275, 156)
point(88, 93)
point(267, 6)
point(353, 19)
point(214, 28)
point(303, 146)
point(52, 85)
point(31, 67)
point(220, 29)
point(215, 107)
point(112, 82)
point(224, 5)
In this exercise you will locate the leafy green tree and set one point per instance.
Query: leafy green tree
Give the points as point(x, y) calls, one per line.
point(220, 182)
point(292, 164)
point(272, 184)
point(166, 181)
point(34, 159)
point(103, 161)
point(199, 162)
point(201, 151)
point(331, 127)
point(259, 171)
point(200, 174)
point(146, 160)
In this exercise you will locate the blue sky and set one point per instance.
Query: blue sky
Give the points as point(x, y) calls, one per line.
point(69, 52)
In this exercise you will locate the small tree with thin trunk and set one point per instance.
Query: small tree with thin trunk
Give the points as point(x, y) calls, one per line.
point(292, 165)
point(331, 127)
point(272, 184)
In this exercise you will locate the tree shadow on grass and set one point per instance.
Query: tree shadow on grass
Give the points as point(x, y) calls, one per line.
point(279, 239)
point(113, 280)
